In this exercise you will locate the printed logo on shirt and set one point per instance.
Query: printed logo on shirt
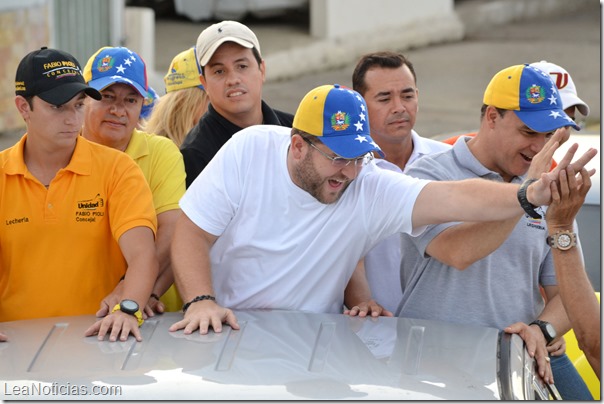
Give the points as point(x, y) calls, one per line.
point(17, 220)
point(89, 210)
point(535, 223)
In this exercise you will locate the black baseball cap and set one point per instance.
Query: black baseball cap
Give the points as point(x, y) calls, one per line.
point(53, 75)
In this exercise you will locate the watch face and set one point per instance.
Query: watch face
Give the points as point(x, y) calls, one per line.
point(129, 306)
point(564, 240)
point(550, 330)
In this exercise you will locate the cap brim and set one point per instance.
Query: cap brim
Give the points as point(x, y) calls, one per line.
point(351, 146)
point(207, 55)
point(104, 82)
point(570, 100)
point(546, 120)
point(62, 94)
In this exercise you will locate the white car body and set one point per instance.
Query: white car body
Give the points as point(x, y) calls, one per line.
point(276, 355)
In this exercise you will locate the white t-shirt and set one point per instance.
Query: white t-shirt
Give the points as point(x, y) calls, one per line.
point(278, 247)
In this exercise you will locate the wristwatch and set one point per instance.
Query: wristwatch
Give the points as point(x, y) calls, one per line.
point(548, 330)
point(562, 240)
point(130, 307)
point(528, 207)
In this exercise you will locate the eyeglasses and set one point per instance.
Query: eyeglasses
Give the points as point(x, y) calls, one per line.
point(341, 162)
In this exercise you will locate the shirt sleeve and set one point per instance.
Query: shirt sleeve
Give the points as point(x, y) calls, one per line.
point(131, 203)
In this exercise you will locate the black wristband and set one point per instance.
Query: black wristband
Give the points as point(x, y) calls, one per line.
point(197, 299)
point(528, 207)
point(153, 295)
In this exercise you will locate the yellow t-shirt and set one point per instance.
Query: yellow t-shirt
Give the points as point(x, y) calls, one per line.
point(59, 252)
point(164, 169)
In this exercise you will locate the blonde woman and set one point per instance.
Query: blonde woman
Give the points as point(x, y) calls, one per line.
point(185, 100)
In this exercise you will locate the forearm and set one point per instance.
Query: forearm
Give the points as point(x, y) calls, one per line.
point(191, 265)
point(139, 280)
point(165, 232)
point(138, 247)
point(163, 282)
point(462, 245)
point(554, 312)
point(470, 200)
point(579, 299)
point(357, 290)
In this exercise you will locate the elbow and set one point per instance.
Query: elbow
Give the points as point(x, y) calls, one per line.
point(589, 347)
point(457, 262)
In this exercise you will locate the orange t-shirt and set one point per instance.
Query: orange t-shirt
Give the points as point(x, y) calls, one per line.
point(59, 252)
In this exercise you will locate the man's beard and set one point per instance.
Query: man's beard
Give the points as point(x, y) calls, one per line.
point(310, 181)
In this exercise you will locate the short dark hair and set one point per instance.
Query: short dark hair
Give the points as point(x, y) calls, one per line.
point(483, 110)
point(30, 101)
point(386, 59)
point(254, 52)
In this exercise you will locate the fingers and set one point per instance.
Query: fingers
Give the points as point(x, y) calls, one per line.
point(543, 366)
point(555, 194)
point(198, 318)
point(356, 311)
point(104, 310)
point(3, 337)
point(568, 157)
point(535, 345)
point(542, 161)
point(578, 164)
point(178, 325)
point(564, 182)
point(136, 332)
point(117, 325)
point(584, 180)
point(160, 307)
point(93, 329)
point(562, 134)
point(557, 348)
point(231, 320)
point(148, 311)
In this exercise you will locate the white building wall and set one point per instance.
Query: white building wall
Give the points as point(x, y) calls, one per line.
point(337, 18)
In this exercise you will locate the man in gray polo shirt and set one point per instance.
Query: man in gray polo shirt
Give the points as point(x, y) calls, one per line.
point(471, 274)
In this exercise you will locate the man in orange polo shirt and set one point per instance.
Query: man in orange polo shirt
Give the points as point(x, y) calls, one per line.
point(76, 216)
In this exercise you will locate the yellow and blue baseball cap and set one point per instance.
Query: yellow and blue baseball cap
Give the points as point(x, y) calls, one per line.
point(531, 94)
point(338, 116)
point(149, 103)
point(111, 65)
point(184, 72)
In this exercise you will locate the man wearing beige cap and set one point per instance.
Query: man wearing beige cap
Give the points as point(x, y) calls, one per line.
point(233, 75)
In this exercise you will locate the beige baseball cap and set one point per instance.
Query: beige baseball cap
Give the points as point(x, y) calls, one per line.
point(226, 31)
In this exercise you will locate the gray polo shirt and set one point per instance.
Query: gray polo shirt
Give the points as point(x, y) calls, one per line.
point(496, 291)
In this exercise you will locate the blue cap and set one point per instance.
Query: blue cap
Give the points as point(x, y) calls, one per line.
point(338, 116)
point(116, 65)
